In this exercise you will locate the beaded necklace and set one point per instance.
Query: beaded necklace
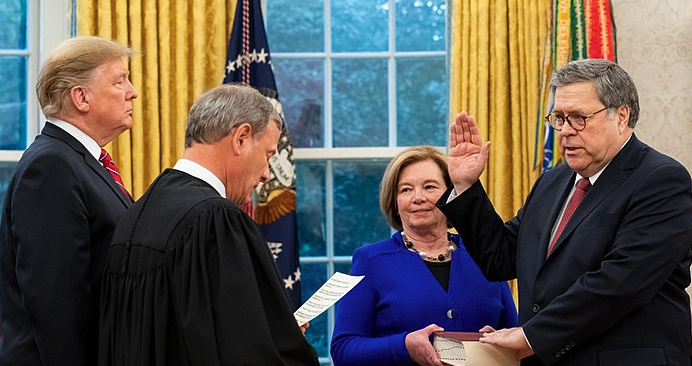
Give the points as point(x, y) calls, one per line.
point(441, 257)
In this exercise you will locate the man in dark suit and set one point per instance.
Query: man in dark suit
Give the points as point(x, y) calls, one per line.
point(61, 208)
point(601, 247)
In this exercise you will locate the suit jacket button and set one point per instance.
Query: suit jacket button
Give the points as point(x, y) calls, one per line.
point(557, 354)
point(536, 308)
point(450, 314)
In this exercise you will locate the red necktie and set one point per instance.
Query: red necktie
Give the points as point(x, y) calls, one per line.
point(583, 186)
point(112, 169)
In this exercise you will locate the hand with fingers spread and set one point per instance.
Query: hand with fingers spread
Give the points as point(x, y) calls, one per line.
point(419, 347)
point(468, 153)
point(512, 338)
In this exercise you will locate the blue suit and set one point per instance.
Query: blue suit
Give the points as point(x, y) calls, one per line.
point(399, 295)
point(612, 291)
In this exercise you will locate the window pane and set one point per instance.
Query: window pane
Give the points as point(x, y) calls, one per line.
point(314, 276)
point(13, 73)
point(295, 26)
point(359, 113)
point(422, 101)
point(342, 267)
point(357, 216)
point(359, 25)
point(6, 170)
point(311, 208)
point(420, 25)
point(300, 83)
point(13, 24)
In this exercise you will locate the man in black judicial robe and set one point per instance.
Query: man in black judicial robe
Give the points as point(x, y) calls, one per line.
point(190, 279)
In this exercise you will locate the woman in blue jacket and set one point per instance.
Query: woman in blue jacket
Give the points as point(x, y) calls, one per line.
point(418, 281)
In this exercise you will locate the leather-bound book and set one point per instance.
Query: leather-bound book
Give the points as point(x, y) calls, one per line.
point(464, 349)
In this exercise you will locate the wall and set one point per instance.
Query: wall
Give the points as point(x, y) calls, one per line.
point(654, 41)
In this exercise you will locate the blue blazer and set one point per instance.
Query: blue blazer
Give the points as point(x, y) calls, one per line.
point(58, 217)
point(612, 291)
point(400, 295)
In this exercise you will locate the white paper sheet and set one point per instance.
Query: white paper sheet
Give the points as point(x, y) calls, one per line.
point(326, 296)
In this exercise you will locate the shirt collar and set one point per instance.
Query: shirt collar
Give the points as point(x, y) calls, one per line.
point(593, 178)
point(90, 144)
point(200, 172)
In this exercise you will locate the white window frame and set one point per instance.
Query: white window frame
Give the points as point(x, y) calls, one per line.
point(329, 154)
point(48, 23)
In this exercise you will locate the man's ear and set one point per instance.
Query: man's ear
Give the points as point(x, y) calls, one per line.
point(240, 137)
point(623, 117)
point(80, 98)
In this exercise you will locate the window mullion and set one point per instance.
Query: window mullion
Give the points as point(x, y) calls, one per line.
point(391, 90)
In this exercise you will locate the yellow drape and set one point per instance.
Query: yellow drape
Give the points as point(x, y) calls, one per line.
point(496, 56)
point(182, 51)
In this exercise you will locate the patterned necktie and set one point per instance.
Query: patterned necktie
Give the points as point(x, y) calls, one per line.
point(109, 164)
point(583, 186)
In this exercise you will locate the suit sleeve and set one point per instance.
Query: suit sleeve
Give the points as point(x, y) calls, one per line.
point(51, 231)
point(228, 298)
point(355, 341)
point(491, 243)
point(508, 317)
point(652, 239)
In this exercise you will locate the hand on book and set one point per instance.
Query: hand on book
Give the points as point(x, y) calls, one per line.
point(512, 338)
point(419, 347)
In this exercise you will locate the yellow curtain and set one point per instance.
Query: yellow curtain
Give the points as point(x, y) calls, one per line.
point(496, 58)
point(182, 51)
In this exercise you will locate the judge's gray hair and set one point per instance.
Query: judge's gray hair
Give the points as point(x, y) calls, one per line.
point(614, 87)
point(216, 112)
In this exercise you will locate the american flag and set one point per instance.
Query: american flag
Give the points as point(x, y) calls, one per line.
point(248, 62)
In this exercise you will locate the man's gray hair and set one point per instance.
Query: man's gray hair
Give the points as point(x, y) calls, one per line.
point(614, 87)
point(216, 112)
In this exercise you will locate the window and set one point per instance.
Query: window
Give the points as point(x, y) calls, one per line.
point(21, 37)
point(358, 80)
point(15, 52)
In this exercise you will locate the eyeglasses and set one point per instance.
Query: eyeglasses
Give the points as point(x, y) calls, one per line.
point(577, 121)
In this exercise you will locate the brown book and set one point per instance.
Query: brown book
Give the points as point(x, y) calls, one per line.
point(464, 349)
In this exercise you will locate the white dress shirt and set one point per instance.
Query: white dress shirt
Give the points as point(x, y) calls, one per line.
point(90, 144)
point(198, 171)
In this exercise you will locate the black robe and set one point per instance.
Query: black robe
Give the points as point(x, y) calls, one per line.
point(190, 280)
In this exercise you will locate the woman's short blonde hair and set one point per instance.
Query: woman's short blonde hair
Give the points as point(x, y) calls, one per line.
point(390, 180)
point(72, 64)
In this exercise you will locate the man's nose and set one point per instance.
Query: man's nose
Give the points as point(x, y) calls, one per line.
point(132, 93)
point(265, 175)
point(567, 129)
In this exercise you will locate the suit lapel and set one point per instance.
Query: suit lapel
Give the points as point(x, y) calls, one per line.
point(611, 178)
point(564, 180)
point(58, 133)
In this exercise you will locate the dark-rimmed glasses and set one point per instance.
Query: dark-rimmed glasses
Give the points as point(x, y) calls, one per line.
point(577, 121)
